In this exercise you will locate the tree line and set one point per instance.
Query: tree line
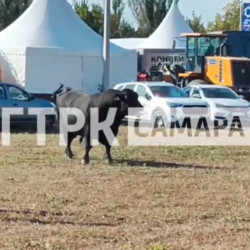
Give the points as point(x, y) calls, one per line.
point(229, 19)
point(147, 13)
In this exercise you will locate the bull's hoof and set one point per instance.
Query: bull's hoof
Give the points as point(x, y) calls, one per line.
point(110, 161)
point(85, 162)
point(70, 157)
point(69, 154)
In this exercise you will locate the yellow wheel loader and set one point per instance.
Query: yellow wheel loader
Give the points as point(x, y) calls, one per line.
point(220, 58)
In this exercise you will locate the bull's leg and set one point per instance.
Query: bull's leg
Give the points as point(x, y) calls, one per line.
point(68, 150)
point(88, 146)
point(85, 159)
point(108, 154)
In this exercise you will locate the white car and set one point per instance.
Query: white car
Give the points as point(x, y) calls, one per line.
point(159, 99)
point(219, 99)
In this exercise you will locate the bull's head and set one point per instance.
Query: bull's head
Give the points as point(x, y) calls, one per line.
point(129, 97)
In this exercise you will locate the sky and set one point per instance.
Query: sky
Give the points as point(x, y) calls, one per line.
point(206, 8)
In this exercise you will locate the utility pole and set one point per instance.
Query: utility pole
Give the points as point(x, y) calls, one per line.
point(106, 46)
point(241, 10)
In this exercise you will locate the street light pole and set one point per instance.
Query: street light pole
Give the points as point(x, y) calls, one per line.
point(241, 7)
point(106, 46)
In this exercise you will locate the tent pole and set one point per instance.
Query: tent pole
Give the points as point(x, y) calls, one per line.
point(106, 46)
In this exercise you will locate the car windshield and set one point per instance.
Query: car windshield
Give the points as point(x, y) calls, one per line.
point(222, 93)
point(17, 94)
point(168, 91)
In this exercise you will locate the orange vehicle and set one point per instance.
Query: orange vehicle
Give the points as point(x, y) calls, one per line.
point(220, 58)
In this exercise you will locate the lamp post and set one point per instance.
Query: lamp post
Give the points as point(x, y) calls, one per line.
point(106, 46)
point(241, 7)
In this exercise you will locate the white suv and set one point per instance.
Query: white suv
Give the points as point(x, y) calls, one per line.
point(158, 98)
point(219, 99)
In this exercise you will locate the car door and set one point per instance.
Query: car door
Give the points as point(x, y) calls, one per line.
point(141, 91)
point(20, 99)
point(132, 87)
point(145, 99)
point(4, 101)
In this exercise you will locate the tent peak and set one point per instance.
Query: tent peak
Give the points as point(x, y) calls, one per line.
point(172, 26)
point(53, 24)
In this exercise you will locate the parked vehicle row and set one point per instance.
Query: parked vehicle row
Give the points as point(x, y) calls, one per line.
point(159, 99)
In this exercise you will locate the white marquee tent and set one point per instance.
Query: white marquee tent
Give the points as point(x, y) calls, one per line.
point(128, 43)
point(169, 31)
point(49, 44)
point(166, 36)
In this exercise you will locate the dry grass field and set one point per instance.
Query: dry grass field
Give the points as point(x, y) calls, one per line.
point(153, 198)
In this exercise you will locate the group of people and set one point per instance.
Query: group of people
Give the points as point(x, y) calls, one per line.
point(161, 72)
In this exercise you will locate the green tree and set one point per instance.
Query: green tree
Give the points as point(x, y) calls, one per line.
point(230, 20)
point(217, 24)
point(120, 27)
point(149, 13)
point(196, 23)
point(118, 7)
point(126, 30)
point(116, 17)
point(10, 10)
point(93, 16)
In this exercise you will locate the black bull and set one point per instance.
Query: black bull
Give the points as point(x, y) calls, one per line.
point(121, 100)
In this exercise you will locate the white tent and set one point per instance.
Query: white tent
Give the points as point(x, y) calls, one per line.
point(167, 35)
point(49, 44)
point(128, 43)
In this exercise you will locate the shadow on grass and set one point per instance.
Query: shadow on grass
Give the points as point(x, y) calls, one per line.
point(171, 165)
point(32, 129)
point(52, 218)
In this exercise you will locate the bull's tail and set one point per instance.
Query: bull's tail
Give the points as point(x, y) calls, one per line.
point(61, 90)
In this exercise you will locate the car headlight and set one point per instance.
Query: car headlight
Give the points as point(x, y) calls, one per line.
point(174, 105)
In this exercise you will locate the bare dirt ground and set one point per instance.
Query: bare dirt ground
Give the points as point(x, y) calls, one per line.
point(153, 197)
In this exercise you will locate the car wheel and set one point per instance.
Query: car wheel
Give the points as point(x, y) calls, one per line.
point(159, 119)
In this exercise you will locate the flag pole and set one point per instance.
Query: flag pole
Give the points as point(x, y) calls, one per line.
point(106, 46)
